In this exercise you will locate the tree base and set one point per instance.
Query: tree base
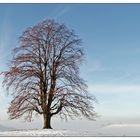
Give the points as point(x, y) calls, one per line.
point(47, 127)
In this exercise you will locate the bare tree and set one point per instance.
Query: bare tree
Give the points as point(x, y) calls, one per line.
point(44, 75)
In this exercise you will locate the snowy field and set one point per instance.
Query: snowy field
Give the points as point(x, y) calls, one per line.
point(122, 130)
point(45, 133)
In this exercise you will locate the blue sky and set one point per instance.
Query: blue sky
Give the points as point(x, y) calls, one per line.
point(111, 39)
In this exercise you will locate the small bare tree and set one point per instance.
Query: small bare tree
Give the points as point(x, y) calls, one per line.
point(44, 75)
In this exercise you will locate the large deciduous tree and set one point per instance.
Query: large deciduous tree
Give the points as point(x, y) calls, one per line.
point(43, 75)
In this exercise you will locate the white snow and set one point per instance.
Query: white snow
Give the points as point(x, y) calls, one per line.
point(106, 130)
point(43, 132)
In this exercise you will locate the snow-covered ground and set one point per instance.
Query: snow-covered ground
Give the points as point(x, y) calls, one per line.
point(43, 132)
point(106, 130)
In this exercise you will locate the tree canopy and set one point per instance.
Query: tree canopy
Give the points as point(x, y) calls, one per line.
point(44, 75)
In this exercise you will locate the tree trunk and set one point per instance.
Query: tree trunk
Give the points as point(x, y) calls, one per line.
point(47, 121)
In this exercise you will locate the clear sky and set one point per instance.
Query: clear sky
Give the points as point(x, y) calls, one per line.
point(111, 39)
